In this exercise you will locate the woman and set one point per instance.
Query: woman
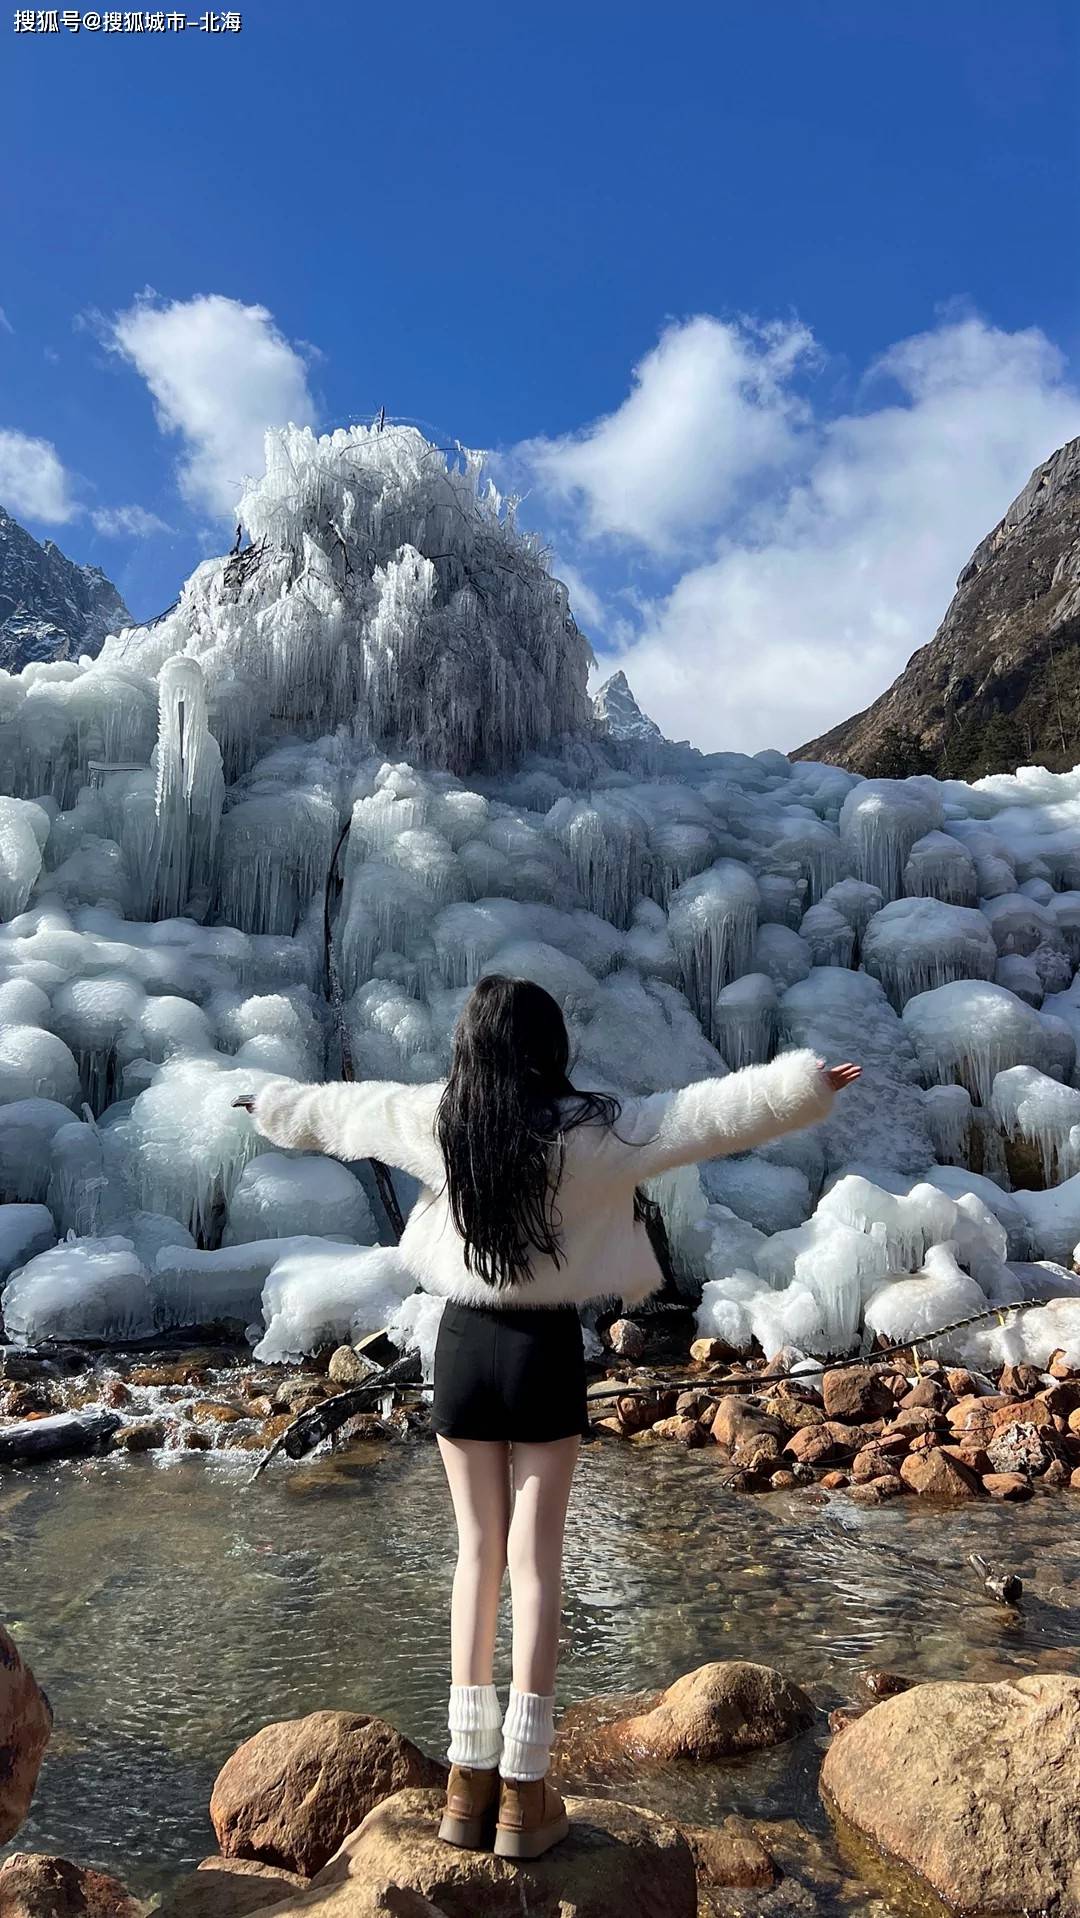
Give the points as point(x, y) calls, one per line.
point(529, 1210)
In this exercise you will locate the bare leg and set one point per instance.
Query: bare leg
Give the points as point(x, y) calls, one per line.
point(542, 1477)
point(478, 1473)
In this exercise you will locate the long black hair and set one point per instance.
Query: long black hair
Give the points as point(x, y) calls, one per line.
point(500, 1124)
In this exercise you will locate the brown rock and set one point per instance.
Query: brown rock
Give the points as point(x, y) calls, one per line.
point(735, 1419)
point(694, 1405)
point(916, 1419)
point(926, 1392)
point(960, 1381)
point(857, 1392)
point(835, 1481)
point(729, 1855)
point(934, 1474)
point(25, 1728)
point(816, 1444)
point(682, 1431)
point(627, 1339)
point(1060, 1368)
point(640, 1410)
point(882, 1684)
point(1056, 1475)
point(34, 1885)
point(1007, 1485)
point(230, 1888)
point(710, 1352)
point(349, 1367)
point(879, 1460)
point(793, 1410)
point(876, 1491)
point(786, 1481)
point(299, 1395)
point(973, 1788)
point(711, 1713)
point(1074, 1479)
point(147, 1435)
point(1019, 1380)
point(1024, 1412)
point(292, 1793)
point(617, 1861)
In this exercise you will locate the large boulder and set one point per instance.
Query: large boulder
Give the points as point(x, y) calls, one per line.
point(293, 1792)
point(973, 1788)
point(33, 1885)
point(713, 1712)
point(230, 1888)
point(25, 1729)
point(616, 1861)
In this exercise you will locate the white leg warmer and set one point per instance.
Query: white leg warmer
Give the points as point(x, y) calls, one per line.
point(475, 1721)
point(528, 1735)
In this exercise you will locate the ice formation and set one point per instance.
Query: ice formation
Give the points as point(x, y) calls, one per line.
point(390, 653)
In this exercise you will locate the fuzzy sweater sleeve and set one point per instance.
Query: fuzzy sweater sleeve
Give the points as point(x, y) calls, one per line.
point(374, 1120)
point(714, 1117)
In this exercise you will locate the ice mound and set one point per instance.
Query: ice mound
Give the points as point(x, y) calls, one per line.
point(312, 1299)
point(391, 654)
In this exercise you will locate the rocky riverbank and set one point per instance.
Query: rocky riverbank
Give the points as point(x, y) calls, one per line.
point(952, 1797)
point(873, 1430)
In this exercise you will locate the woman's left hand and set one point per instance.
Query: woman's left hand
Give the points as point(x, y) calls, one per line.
point(246, 1101)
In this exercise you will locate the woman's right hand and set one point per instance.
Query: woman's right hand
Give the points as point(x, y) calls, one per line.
point(841, 1076)
point(246, 1101)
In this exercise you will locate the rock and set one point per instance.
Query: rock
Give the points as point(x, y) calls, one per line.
point(713, 1712)
point(758, 1452)
point(1056, 1475)
point(881, 1459)
point(835, 1481)
point(882, 1684)
point(215, 1412)
point(1007, 1485)
point(1074, 1479)
point(25, 1729)
point(734, 1419)
point(793, 1409)
point(857, 1392)
point(349, 1367)
point(627, 1339)
point(230, 1888)
point(33, 1885)
point(1024, 1412)
point(1019, 1448)
point(934, 1474)
point(298, 1395)
point(1019, 1380)
point(927, 1392)
point(684, 1431)
point(973, 1788)
point(915, 1420)
point(876, 1491)
point(729, 1855)
point(293, 1792)
point(639, 1410)
point(786, 1481)
point(695, 1405)
point(616, 1861)
point(816, 1444)
point(147, 1435)
point(710, 1352)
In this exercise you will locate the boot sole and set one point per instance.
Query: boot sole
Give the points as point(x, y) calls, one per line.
point(530, 1844)
point(471, 1834)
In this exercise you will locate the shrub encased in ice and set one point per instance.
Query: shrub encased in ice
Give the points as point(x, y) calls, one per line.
point(276, 1196)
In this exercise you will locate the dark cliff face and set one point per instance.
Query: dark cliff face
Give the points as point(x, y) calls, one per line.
point(50, 608)
point(998, 686)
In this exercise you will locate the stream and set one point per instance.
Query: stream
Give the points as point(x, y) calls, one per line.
point(170, 1609)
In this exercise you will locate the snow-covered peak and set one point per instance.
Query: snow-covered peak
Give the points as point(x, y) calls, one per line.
point(50, 607)
point(619, 714)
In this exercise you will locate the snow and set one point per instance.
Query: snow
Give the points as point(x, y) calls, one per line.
point(391, 652)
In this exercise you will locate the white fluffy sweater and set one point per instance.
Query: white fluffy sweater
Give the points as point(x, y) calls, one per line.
point(604, 1253)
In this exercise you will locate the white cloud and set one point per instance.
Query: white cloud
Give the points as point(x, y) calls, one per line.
point(118, 522)
point(808, 605)
point(710, 407)
point(33, 480)
point(220, 373)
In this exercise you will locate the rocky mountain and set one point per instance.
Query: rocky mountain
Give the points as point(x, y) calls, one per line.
point(998, 686)
point(51, 608)
point(619, 713)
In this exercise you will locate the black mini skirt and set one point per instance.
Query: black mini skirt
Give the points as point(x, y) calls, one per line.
point(515, 1376)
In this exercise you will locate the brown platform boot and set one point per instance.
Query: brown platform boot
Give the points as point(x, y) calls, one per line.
point(471, 1802)
point(532, 1818)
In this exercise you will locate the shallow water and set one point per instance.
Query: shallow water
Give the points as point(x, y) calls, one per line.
point(170, 1610)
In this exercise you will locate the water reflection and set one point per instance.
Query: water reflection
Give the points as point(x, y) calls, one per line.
point(170, 1610)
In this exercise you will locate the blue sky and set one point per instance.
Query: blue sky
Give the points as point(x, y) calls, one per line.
point(767, 309)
